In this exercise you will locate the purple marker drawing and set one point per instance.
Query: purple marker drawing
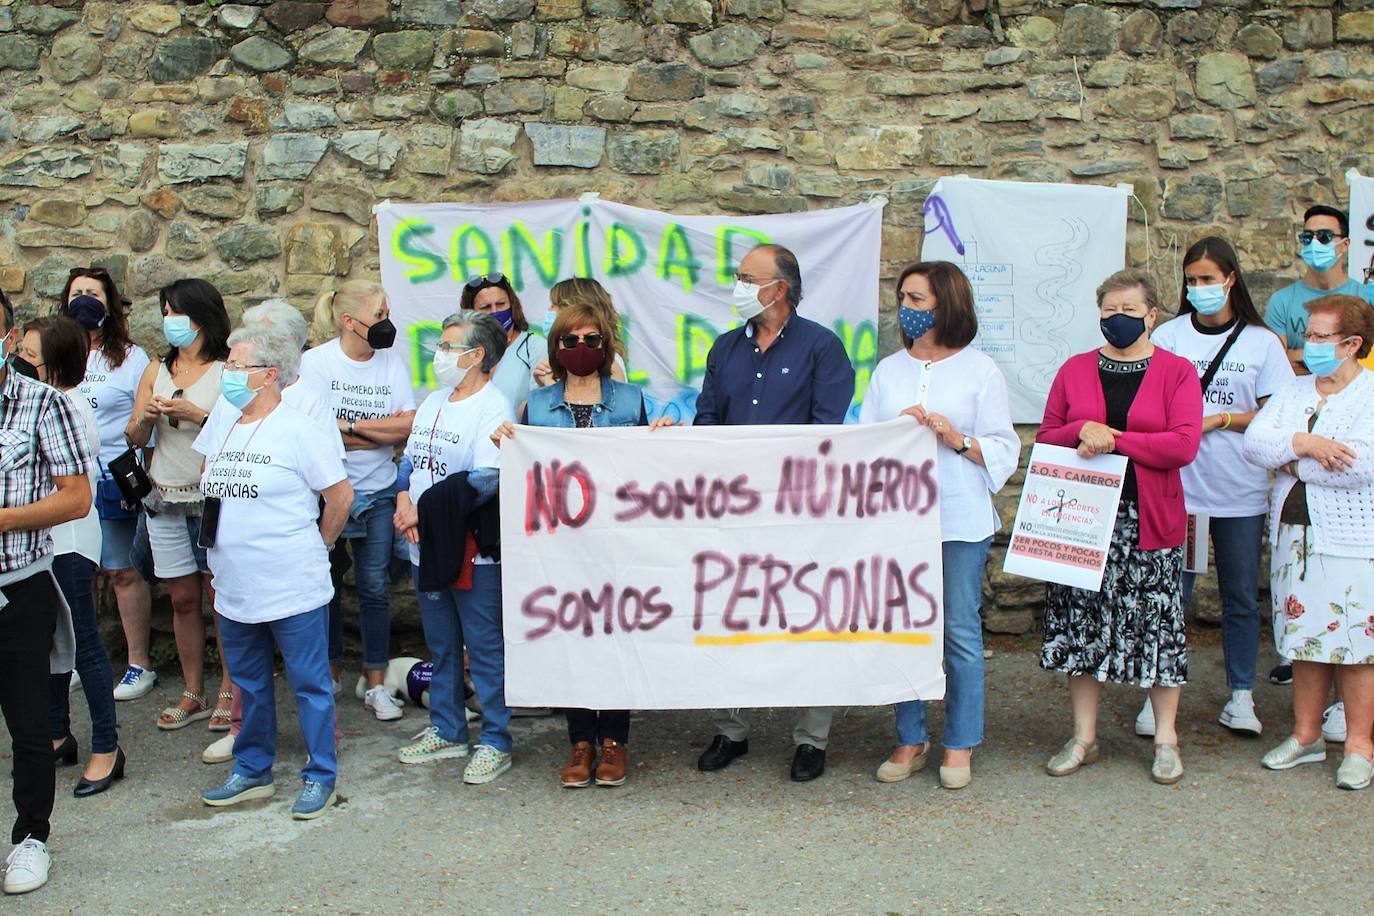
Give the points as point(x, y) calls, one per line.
point(936, 205)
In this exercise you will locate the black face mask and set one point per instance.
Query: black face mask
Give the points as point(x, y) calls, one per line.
point(24, 367)
point(380, 336)
point(87, 311)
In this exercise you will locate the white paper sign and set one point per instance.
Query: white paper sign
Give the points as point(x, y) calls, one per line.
point(1064, 524)
point(1195, 544)
point(1361, 223)
point(1035, 254)
point(670, 277)
point(707, 567)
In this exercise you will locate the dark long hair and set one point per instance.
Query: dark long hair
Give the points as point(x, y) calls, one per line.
point(1219, 252)
point(202, 303)
point(114, 333)
point(956, 322)
point(63, 345)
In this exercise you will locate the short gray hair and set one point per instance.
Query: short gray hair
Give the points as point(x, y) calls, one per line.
point(483, 331)
point(282, 315)
point(789, 271)
point(272, 348)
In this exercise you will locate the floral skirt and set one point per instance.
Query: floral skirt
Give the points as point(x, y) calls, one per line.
point(1130, 632)
point(1323, 605)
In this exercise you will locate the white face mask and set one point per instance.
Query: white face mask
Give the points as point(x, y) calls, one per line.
point(746, 299)
point(447, 372)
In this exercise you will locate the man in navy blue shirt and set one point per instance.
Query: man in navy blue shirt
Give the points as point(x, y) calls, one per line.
point(778, 368)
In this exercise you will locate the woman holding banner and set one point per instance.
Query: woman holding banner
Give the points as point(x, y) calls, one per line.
point(1241, 363)
point(1318, 434)
point(960, 395)
point(493, 295)
point(1131, 399)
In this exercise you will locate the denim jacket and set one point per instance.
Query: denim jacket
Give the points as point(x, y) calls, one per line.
point(622, 404)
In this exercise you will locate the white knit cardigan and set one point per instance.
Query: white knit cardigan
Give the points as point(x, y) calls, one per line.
point(1341, 502)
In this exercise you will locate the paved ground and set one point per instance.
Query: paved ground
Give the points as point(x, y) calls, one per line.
point(1230, 837)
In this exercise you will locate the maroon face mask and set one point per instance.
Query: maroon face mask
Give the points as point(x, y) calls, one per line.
point(581, 360)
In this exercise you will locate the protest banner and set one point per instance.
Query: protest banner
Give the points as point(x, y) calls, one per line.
point(1361, 223)
point(670, 276)
point(721, 566)
point(1196, 542)
point(1064, 523)
point(1035, 254)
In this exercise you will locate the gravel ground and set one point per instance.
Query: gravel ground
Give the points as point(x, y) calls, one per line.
point(1230, 837)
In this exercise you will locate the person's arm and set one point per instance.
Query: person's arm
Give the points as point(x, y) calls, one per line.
point(1268, 444)
point(404, 469)
point(338, 501)
point(708, 408)
point(71, 499)
point(832, 387)
point(1177, 445)
point(1055, 427)
point(1278, 320)
point(996, 447)
point(391, 430)
point(1354, 475)
point(140, 428)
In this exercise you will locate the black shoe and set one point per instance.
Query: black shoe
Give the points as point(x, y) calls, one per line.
point(86, 787)
point(808, 763)
point(1281, 673)
point(721, 754)
point(65, 753)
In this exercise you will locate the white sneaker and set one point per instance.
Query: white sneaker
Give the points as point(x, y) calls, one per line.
point(222, 751)
point(1145, 721)
point(1333, 723)
point(75, 684)
point(1239, 713)
point(135, 683)
point(26, 868)
point(381, 703)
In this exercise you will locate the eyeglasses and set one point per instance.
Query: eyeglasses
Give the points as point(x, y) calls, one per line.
point(477, 281)
point(1322, 338)
point(757, 281)
point(593, 341)
point(1325, 236)
point(245, 367)
point(173, 421)
point(453, 349)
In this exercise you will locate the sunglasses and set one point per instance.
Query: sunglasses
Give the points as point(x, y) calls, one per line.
point(593, 341)
point(173, 421)
point(95, 273)
point(1325, 236)
point(478, 281)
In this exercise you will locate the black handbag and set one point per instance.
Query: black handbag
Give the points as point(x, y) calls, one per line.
point(131, 478)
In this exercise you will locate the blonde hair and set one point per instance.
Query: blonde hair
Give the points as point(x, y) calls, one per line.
point(351, 297)
point(585, 292)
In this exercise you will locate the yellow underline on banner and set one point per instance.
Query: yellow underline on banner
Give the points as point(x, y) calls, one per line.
point(749, 639)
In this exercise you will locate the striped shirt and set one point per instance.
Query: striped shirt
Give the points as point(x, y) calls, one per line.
point(41, 438)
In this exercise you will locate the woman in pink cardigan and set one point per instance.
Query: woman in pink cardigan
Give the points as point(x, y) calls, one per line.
point(1135, 400)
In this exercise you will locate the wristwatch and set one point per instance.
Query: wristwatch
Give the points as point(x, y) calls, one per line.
point(968, 444)
point(350, 427)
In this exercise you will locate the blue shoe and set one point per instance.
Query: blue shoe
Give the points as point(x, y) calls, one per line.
point(238, 789)
point(315, 797)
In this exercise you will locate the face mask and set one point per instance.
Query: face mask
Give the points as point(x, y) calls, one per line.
point(1321, 359)
point(745, 299)
point(177, 330)
point(506, 316)
point(447, 372)
point(24, 367)
point(1207, 300)
point(547, 325)
point(234, 386)
point(380, 336)
point(582, 360)
point(1122, 330)
point(87, 311)
point(915, 323)
point(1319, 257)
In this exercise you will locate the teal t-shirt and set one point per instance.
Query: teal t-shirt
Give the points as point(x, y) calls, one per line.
point(1286, 313)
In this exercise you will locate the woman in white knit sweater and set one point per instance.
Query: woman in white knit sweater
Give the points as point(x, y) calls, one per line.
point(1318, 433)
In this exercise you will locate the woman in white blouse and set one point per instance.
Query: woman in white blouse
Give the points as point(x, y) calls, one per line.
point(1318, 433)
point(960, 394)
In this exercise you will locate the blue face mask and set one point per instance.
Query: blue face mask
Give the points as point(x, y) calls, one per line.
point(506, 317)
point(1208, 300)
point(915, 323)
point(234, 386)
point(1319, 257)
point(547, 325)
point(1320, 358)
point(177, 329)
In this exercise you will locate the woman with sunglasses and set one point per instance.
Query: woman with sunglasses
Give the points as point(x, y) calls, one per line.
point(493, 295)
point(367, 386)
point(175, 397)
point(589, 293)
point(451, 436)
point(114, 365)
point(53, 350)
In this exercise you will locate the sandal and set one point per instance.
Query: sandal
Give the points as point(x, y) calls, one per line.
point(221, 719)
point(174, 717)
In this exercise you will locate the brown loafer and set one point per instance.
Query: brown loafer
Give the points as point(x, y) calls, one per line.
point(578, 772)
point(611, 770)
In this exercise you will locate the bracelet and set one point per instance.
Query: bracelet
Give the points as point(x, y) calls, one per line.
point(1227, 423)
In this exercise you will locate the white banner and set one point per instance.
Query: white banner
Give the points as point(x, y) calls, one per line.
point(1035, 254)
point(707, 567)
point(1196, 543)
point(1064, 524)
point(1361, 223)
point(670, 276)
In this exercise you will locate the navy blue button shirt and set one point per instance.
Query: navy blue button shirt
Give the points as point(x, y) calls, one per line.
point(803, 377)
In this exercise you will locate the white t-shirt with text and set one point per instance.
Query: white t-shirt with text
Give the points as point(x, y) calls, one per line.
point(111, 393)
point(82, 536)
point(302, 396)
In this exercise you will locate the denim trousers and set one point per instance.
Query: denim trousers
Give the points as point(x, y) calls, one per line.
point(74, 574)
point(963, 563)
point(455, 617)
point(1236, 548)
point(371, 561)
point(301, 640)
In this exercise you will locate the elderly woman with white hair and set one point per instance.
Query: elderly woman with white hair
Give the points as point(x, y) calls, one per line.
point(268, 546)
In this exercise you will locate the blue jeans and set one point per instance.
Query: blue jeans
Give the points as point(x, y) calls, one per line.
point(370, 536)
point(301, 641)
point(1236, 546)
point(74, 573)
point(450, 618)
point(963, 571)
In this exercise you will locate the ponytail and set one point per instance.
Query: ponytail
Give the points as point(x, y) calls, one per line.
point(324, 324)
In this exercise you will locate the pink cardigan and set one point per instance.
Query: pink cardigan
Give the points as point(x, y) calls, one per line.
point(1163, 431)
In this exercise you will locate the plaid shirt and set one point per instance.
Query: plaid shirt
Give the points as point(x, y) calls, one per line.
point(41, 437)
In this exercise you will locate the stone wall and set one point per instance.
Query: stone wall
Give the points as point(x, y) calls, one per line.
point(246, 142)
